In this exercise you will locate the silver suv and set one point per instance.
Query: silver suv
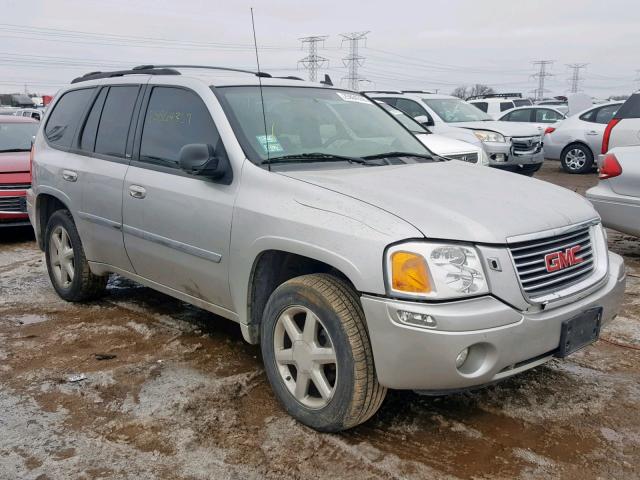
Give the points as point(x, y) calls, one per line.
point(310, 216)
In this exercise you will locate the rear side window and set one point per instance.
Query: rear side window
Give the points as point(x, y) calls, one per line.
point(175, 117)
point(506, 106)
point(88, 136)
point(65, 117)
point(604, 114)
point(544, 115)
point(519, 116)
point(630, 108)
point(484, 106)
point(115, 120)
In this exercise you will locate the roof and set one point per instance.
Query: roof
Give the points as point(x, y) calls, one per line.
point(409, 95)
point(15, 119)
point(214, 76)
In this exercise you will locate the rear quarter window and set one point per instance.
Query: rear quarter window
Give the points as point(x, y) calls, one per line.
point(66, 115)
point(630, 108)
point(504, 106)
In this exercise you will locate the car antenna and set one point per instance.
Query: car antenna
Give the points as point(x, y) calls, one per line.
point(264, 116)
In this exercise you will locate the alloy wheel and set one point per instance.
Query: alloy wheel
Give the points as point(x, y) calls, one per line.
point(575, 159)
point(305, 357)
point(62, 257)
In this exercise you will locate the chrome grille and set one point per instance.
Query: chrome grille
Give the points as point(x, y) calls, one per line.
point(531, 264)
point(526, 144)
point(14, 186)
point(471, 157)
point(13, 205)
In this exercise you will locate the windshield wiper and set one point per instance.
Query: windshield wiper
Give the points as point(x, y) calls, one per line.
point(316, 157)
point(8, 150)
point(433, 158)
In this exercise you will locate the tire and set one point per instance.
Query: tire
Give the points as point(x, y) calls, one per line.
point(576, 158)
point(355, 393)
point(529, 170)
point(75, 283)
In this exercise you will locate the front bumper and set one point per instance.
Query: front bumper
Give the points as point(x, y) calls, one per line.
point(13, 208)
point(506, 341)
point(502, 155)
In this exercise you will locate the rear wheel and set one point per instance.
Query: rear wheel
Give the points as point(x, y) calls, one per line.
point(66, 263)
point(317, 353)
point(576, 158)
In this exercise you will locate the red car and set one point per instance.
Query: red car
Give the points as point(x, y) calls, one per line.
point(16, 134)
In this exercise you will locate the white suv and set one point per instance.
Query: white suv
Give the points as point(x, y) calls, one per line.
point(496, 103)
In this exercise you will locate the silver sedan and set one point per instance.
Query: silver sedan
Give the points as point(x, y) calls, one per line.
point(577, 141)
point(617, 195)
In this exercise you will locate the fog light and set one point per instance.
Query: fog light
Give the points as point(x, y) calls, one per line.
point(462, 357)
point(499, 157)
point(417, 319)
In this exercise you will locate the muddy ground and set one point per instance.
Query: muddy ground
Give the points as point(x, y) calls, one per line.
point(185, 398)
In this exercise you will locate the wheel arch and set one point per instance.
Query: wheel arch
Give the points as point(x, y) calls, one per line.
point(47, 203)
point(271, 268)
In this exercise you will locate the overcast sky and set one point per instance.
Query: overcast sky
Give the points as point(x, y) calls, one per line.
point(422, 44)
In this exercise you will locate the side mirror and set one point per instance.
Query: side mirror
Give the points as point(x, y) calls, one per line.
point(200, 159)
point(424, 120)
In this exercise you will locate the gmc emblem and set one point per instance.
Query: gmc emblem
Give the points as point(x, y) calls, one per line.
point(558, 260)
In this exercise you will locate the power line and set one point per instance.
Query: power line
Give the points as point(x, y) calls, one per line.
point(313, 61)
point(541, 75)
point(353, 60)
point(575, 75)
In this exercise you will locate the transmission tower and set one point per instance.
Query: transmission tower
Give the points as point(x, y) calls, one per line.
point(575, 76)
point(313, 61)
point(353, 60)
point(541, 75)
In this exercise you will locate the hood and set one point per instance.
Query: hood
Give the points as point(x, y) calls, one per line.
point(508, 129)
point(11, 162)
point(457, 201)
point(446, 146)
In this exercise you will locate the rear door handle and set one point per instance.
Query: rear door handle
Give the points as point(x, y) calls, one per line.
point(69, 175)
point(136, 191)
point(592, 132)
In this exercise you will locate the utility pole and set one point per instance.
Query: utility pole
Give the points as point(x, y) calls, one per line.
point(313, 61)
point(541, 75)
point(353, 60)
point(575, 76)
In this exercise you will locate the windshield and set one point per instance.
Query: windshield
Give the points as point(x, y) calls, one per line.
point(404, 119)
point(304, 120)
point(452, 110)
point(16, 137)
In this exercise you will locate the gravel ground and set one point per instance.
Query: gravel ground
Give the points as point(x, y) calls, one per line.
point(184, 397)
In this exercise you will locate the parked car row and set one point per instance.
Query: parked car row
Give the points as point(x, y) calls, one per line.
point(322, 223)
point(509, 146)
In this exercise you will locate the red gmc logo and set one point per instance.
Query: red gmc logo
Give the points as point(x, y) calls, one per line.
point(558, 260)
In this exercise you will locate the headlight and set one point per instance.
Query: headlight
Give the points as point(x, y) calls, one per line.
point(488, 136)
point(434, 270)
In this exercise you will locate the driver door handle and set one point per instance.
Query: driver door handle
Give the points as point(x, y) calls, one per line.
point(136, 191)
point(592, 132)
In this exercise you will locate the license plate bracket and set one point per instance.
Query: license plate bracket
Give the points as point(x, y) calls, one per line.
point(579, 331)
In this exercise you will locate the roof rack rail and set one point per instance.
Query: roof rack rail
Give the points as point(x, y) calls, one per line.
point(495, 95)
point(121, 73)
point(364, 92)
point(162, 70)
point(416, 91)
point(206, 67)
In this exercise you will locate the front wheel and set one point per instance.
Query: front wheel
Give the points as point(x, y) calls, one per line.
point(576, 158)
point(317, 353)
